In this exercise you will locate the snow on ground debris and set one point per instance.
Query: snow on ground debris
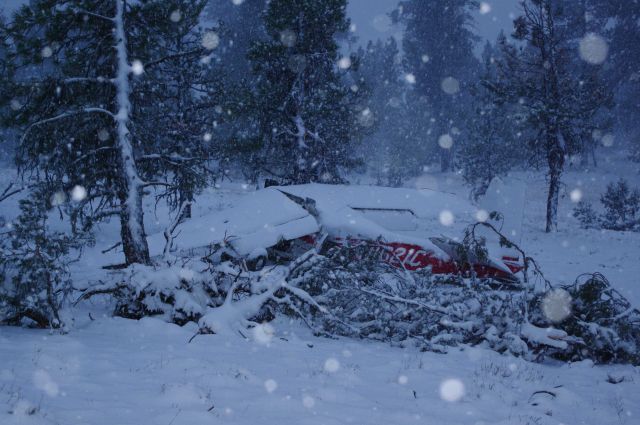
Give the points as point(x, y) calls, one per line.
point(115, 371)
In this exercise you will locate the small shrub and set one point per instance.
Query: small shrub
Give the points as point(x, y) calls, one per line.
point(586, 215)
point(621, 205)
point(33, 267)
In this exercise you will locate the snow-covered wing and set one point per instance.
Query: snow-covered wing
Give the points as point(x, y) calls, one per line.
point(260, 220)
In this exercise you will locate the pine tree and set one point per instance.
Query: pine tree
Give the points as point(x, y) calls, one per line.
point(77, 61)
point(5, 76)
point(240, 24)
point(585, 22)
point(394, 158)
point(493, 147)
point(33, 264)
point(624, 69)
point(174, 101)
point(438, 48)
point(537, 75)
point(306, 113)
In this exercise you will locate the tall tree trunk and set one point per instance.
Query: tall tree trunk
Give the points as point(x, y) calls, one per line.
point(555, 158)
point(445, 160)
point(133, 235)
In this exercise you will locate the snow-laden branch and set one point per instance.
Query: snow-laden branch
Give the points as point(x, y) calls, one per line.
point(99, 80)
point(62, 116)
point(92, 153)
point(95, 15)
point(174, 56)
point(10, 191)
point(169, 232)
point(302, 131)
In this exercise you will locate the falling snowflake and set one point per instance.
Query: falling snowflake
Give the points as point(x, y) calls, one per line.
point(365, 118)
point(445, 141)
point(450, 85)
point(331, 365)
point(288, 38)
point(103, 134)
point(576, 195)
point(484, 8)
point(78, 193)
point(15, 104)
point(344, 62)
point(451, 390)
point(210, 40)
point(607, 140)
point(270, 385)
point(556, 305)
point(58, 199)
point(46, 52)
point(176, 16)
point(308, 401)
point(403, 380)
point(410, 78)
point(593, 49)
point(382, 23)
point(263, 333)
point(446, 218)
point(42, 380)
point(482, 215)
point(137, 68)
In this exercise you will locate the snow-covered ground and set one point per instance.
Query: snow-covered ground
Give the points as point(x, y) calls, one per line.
point(115, 371)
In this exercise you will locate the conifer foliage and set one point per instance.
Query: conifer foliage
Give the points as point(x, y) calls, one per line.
point(537, 74)
point(305, 111)
point(77, 97)
point(34, 266)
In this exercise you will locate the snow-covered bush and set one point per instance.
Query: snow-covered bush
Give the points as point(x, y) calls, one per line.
point(34, 279)
point(621, 205)
point(176, 293)
point(218, 296)
point(347, 291)
point(607, 324)
point(365, 299)
point(587, 216)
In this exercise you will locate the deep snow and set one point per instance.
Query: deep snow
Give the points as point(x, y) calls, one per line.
point(114, 371)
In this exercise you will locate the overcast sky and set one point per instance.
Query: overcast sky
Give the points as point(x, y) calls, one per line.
point(371, 17)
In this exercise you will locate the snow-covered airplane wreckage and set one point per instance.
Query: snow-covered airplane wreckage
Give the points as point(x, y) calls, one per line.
point(411, 229)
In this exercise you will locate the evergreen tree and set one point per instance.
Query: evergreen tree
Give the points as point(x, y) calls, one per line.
point(624, 72)
point(33, 266)
point(438, 48)
point(174, 101)
point(493, 147)
point(5, 76)
point(584, 22)
point(74, 96)
point(240, 24)
point(307, 117)
point(537, 74)
point(393, 157)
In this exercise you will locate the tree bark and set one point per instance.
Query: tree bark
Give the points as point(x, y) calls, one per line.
point(556, 163)
point(134, 240)
point(445, 160)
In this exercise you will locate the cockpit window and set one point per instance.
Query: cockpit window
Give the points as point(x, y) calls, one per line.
point(391, 219)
